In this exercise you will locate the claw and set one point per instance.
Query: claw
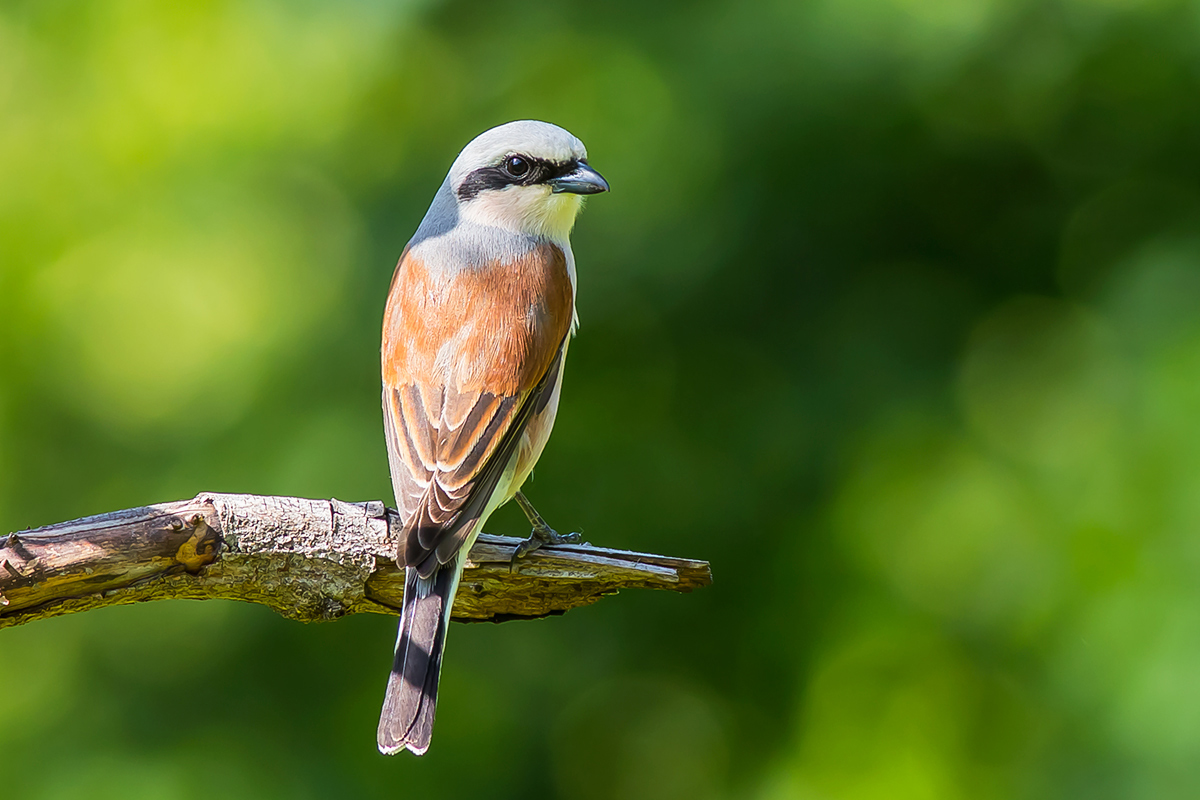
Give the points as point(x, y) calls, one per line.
point(525, 547)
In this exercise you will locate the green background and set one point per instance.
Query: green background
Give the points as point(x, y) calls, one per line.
point(893, 314)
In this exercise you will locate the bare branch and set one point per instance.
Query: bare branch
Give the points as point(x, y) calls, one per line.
point(307, 559)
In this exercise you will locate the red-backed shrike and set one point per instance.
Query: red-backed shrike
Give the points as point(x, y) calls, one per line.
point(475, 332)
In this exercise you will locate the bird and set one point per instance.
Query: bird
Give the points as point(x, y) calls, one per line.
point(475, 332)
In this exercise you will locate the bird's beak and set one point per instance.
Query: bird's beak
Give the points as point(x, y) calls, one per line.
point(581, 180)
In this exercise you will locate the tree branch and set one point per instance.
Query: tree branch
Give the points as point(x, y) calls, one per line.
point(307, 559)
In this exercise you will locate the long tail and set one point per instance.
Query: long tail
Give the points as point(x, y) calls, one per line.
point(411, 699)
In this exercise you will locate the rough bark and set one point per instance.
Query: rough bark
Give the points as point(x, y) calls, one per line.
point(307, 559)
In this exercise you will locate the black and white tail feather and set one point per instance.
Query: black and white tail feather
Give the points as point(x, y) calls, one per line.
point(411, 699)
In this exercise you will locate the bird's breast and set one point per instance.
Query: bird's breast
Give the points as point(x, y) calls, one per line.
point(492, 326)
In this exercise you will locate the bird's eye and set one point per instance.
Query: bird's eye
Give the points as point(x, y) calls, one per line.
point(516, 166)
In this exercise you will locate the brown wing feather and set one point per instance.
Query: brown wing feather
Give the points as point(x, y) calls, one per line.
point(466, 357)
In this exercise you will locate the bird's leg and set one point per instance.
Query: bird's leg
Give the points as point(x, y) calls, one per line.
point(542, 533)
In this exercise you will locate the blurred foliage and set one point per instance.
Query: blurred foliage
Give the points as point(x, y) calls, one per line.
point(892, 314)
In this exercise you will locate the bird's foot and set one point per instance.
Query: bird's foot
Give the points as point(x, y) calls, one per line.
point(541, 533)
point(544, 535)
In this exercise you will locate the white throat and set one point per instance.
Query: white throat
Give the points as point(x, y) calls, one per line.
point(530, 210)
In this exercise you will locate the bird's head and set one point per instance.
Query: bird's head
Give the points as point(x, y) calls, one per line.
point(526, 176)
